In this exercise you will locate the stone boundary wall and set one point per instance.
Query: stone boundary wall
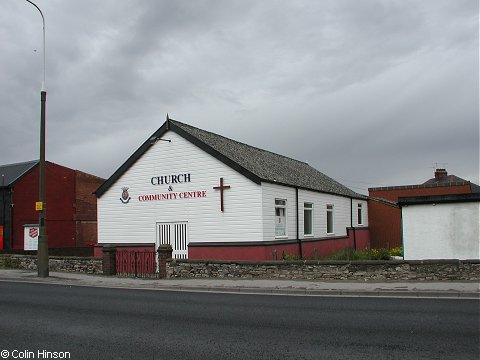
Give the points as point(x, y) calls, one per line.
point(393, 270)
point(87, 265)
point(399, 270)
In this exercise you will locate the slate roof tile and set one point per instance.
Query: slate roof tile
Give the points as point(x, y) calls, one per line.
point(12, 172)
point(268, 166)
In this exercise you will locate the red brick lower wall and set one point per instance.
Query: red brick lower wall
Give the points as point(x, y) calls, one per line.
point(86, 232)
point(356, 239)
point(360, 238)
point(240, 252)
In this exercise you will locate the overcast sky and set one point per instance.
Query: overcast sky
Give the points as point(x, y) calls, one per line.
point(370, 92)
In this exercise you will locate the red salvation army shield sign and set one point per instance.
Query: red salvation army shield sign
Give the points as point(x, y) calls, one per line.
point(33, 232)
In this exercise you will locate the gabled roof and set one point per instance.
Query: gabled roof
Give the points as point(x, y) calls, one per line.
point(256, 164)
point(448, 181)
point(13, 172)
point(452, 180)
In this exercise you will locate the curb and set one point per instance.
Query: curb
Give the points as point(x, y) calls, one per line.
point(326, 293)
point(387, 293)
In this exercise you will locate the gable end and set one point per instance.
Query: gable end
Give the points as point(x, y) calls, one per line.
point(168, 125)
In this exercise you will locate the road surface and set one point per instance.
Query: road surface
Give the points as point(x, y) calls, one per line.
point(99, 323)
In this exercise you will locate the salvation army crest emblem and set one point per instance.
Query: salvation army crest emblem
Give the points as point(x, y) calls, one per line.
point(125, 196)
point(33, 232)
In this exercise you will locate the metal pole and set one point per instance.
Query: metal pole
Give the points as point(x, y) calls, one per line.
point(42, 254)
point(4, 245)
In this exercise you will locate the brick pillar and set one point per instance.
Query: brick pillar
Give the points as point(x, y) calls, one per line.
point(164, 253)
point(109, 260)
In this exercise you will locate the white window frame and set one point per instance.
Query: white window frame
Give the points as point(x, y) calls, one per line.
point(331, 213)
point(359, 214)
point(308, 208)
point(281, 206)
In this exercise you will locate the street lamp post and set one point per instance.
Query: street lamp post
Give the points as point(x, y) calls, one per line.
point(42, 254)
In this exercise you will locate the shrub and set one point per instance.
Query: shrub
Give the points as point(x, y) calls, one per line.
point(383, 254)
point(349, 254)
point(374, 254)
point(398, 251)
point(341, 255)
point(290, 257)
point(7, 262)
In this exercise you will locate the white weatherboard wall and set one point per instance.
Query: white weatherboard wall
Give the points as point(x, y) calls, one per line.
point(136, 221)
point(342, 212)
point(441, 231)
point(355, 203)
point(270, 192)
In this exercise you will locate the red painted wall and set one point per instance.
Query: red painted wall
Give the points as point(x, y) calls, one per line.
point(357, 239)
point(385, 221)
point(71, 206)
point(59, 199)
point(323, 247)
point(360, 237)
point(244, 252)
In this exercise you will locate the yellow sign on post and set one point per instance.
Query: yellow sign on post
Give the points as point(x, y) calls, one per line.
point(39, 206)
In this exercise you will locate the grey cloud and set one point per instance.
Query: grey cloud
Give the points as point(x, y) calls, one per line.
point(357, 88)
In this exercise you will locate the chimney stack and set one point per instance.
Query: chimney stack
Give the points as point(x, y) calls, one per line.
point(440, 174)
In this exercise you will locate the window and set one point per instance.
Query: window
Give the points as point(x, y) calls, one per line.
point(307, 219)
point(330, 227)
point(359, 214)
point(280, 218)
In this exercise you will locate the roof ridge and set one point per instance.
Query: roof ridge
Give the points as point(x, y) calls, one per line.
point(258, 165)
point(239, 142)
point(265, 173)
point(447, 178)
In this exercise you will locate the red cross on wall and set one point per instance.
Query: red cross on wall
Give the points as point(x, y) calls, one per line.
point(221, 188)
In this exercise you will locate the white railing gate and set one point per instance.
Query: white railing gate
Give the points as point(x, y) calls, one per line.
point(176, 235)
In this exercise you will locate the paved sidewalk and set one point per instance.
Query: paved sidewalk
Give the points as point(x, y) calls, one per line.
point(444, 289)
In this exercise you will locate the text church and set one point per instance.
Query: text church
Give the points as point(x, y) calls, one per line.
point(211, 197)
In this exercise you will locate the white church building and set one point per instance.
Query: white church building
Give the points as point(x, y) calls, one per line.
point(211, 197)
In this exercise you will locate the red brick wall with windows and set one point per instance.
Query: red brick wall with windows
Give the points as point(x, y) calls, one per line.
point(384, 221)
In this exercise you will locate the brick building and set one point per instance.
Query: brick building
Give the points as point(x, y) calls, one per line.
point(385, 216)
point(71, 207)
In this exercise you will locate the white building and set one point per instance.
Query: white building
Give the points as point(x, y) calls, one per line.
point(441, 227)
point(215, 198)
